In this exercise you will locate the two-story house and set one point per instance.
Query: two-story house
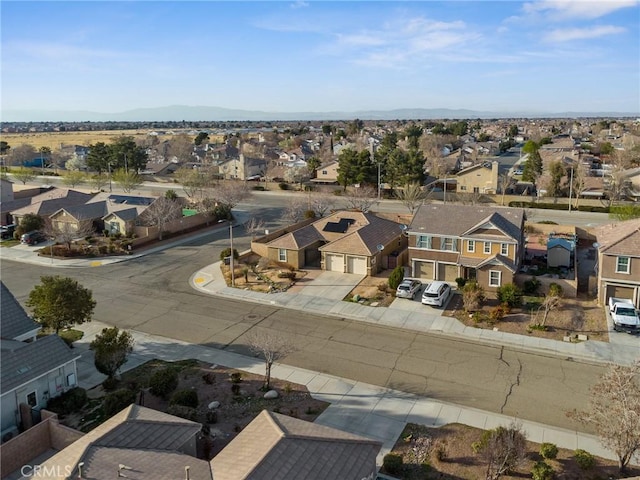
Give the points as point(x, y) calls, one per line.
point(33, 371)
point(479, 243)
point(480, 178)
point(618, 264)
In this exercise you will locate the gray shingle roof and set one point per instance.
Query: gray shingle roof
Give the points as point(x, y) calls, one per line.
point(14, 321)
point(275, 446)
point(21, 365)
point(456, 220)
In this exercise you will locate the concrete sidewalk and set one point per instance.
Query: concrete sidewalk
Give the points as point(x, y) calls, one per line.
point(209, 280)
point(356, 407)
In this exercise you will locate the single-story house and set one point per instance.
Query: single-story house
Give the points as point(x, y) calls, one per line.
point(346, 241)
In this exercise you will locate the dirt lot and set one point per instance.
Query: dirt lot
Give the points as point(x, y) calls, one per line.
point(452, 443)
point(239, 394)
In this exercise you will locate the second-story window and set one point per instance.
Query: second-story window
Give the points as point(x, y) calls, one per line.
point(487, 247)
point(448, 243)
point(471, 246)
point(623, 265)
point(504, 249)
point(424, 241)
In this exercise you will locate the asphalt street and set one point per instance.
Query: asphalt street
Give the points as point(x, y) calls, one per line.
point(152, 294)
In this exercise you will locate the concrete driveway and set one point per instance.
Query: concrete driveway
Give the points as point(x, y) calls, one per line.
point(328, 285)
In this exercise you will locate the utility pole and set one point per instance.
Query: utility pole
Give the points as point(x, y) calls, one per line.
point(379, 185)
point(233, 275)
point(570, 189)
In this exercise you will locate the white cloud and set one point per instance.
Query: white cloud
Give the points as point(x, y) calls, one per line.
point(569, 34)
point(299, 4)
point(577, 9)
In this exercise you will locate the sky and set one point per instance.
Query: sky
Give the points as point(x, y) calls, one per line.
point(319, 56)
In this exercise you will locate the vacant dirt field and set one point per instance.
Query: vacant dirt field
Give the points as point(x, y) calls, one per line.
point(446, 453)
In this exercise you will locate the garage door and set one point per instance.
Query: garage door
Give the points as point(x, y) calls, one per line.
point(619, 292)
point(447, 272)
point(424, 270)
point(357, 265)
point(333, 262)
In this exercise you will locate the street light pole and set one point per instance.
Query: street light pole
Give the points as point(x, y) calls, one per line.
point(233, 275)
point(570, 189)
point(378, 180)
point(109, 168)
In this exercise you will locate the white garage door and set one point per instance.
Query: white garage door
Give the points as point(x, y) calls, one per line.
point(357, 265)
point(334, 262)
point(424, 270)
point(619, 291)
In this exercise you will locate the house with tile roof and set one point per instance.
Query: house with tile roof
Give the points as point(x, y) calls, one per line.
point(479, 243)
point(277, 446)
point(618, 265)
point(45, 204)
point(33, 371)
point(346, 241)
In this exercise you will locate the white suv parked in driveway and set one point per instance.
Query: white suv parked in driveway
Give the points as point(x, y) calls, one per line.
point(436, 293)
point(408, 289)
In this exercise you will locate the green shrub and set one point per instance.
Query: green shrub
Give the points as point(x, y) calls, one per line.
point(283, 186)
point(460, 282)
point(510, 294)
point(227, 252)
point(397, 275)
point(110, 383)
point(289, 275)
point(549, 450)
point(555, 290)
point(531, 286)
point(69, 402)
point(236, 377)
point(163, 382)
point(542, 471)
point(497, 313)
point(392, 463)
point(181, 411)
point(584, 459)
point(186, 398)
point(259, 188)
point(309, 214)
point(116, 401)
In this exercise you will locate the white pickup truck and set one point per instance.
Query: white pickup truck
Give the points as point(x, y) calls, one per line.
point(624, 315)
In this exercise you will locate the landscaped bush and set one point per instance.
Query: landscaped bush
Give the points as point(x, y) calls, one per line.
point(110, 383)
point(259, 188)
point(186, 398)
point(555, 290)
point(584, 459)
point(549, 450)
point(542, 471)
point(461, 282)
point(309, 214)
point(397, 275)
point(472, 296)
point(283, 186)
point(70, 401)
point(227, 252)
point(116, 401)
point(289, 275)
point(510, 294)
point(531, 286)
point(496, 314)
point(181, 411)
point(392, 463)
point(163, 382)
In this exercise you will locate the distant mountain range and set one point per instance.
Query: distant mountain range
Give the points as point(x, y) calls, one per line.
point(189, 113)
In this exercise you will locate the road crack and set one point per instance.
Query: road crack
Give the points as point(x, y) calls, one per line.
point(513, 384)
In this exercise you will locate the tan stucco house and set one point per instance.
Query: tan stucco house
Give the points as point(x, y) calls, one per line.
point(479, 243)
point(346, 241)
point(481, 178)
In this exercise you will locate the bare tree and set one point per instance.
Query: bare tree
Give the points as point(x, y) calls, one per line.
point(412, 195)
point(75, 163)
point(161, 212)
point(181, 147)
point(20, 154)
point(550, 303)
point(193, 181)
point(297, 175)
point(272, 347)
point(128, 180)
point(362, 198)
point(254, 226)
point(296, 208)
point(321, 203)
point(23, 175)
point(503, 449)
point(231, 193)
point(614, 411)
point(578, 186)
point(74, 178)
point(504, 181)
point(615, 182)
point(470, 198)
point(65, 233)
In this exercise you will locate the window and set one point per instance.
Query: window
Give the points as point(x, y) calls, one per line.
point(324, 172)
point(282, 255)
point(622, 265)
point(448, 243)
point(487, 247)
point(471, 246)
point(494, 278)
point(424, 241)
point(476, 189)
point(463, 187)
point(32, 399)
point(504, 249)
